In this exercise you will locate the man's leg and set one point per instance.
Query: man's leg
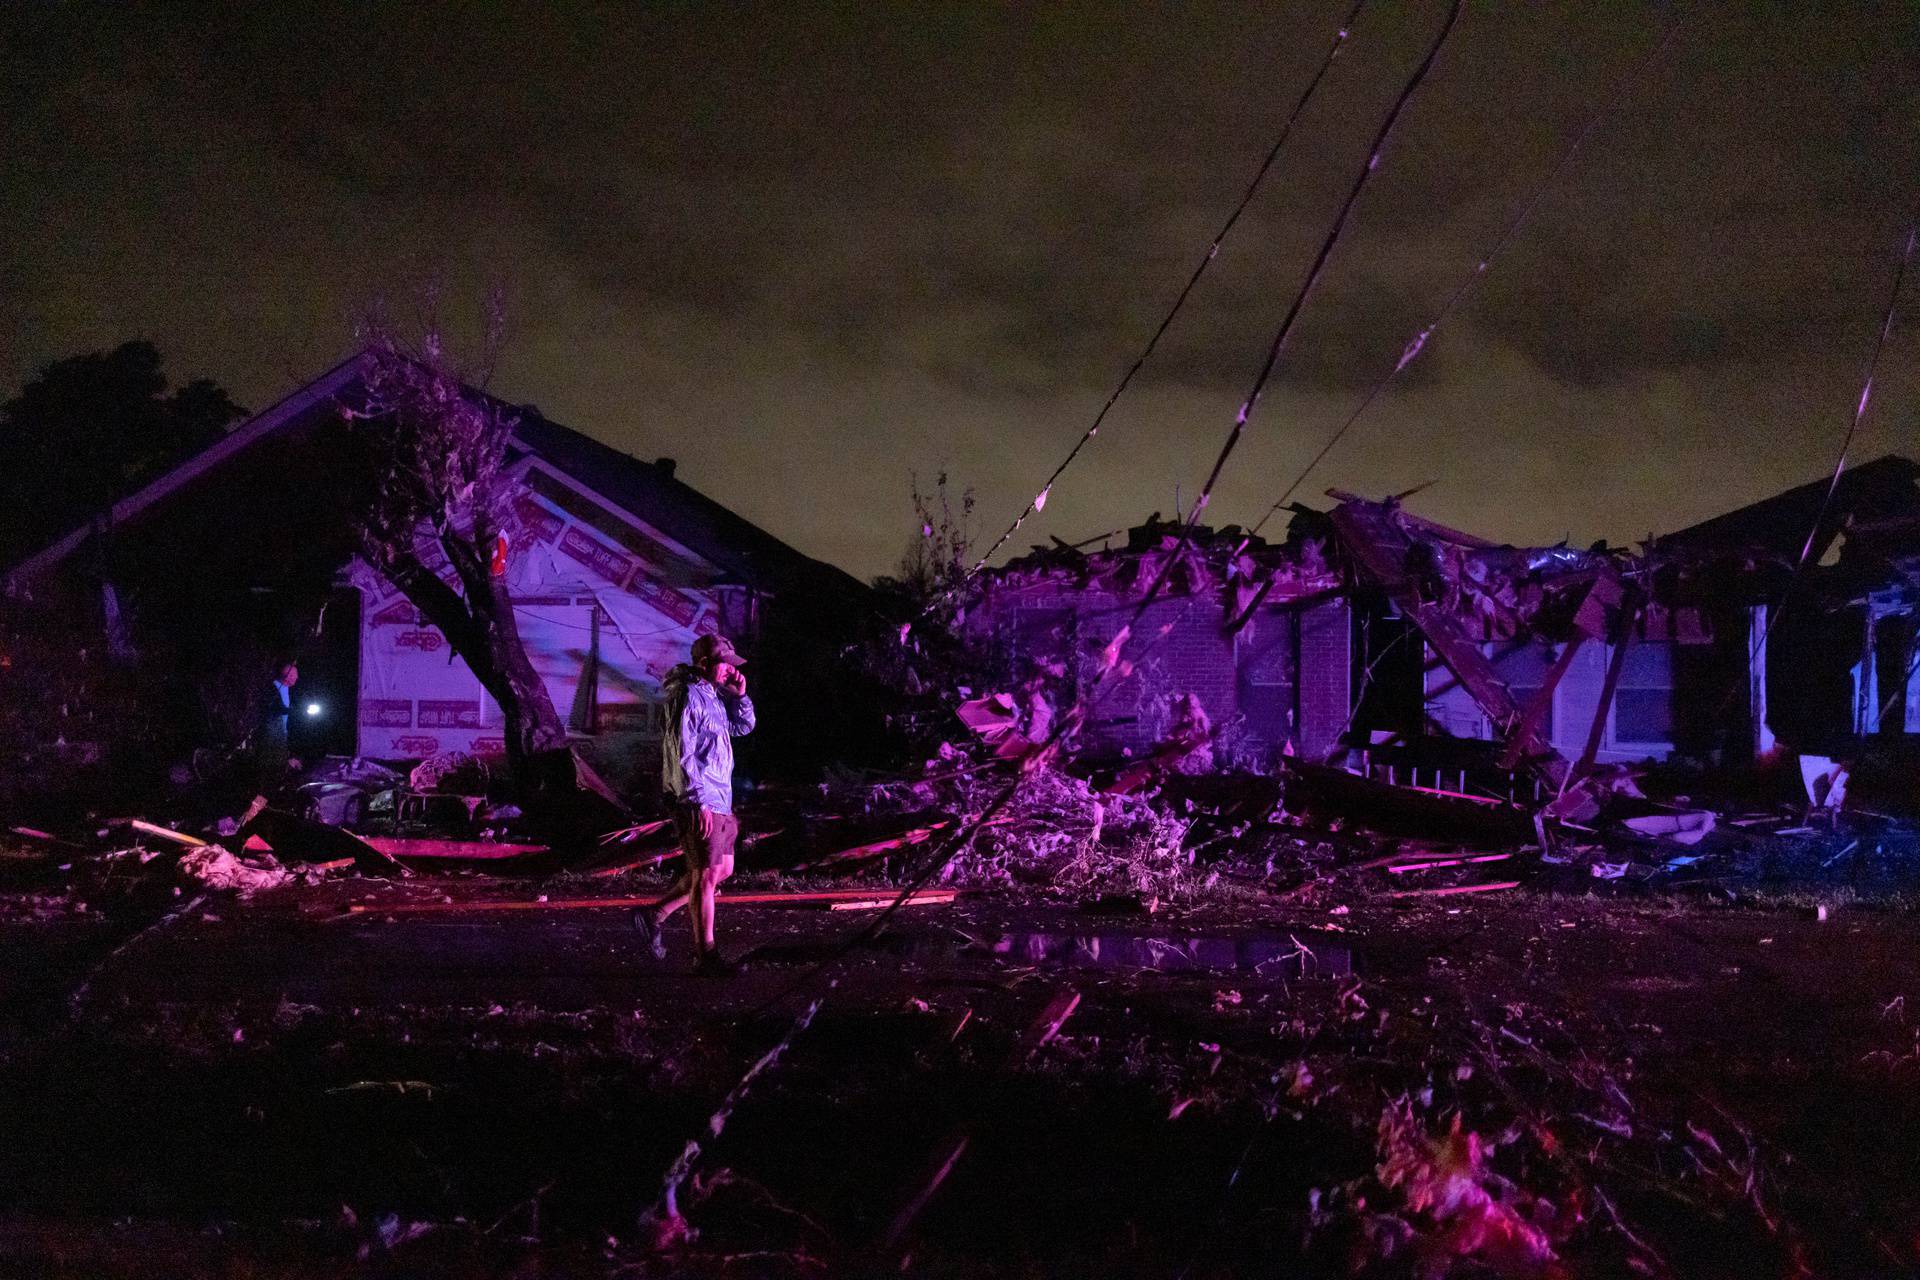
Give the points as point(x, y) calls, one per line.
point(703, 911)
point(693, 847)
point(718, 867)
point(678, 896)
point(649, 919)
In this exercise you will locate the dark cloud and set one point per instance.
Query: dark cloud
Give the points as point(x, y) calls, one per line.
point(770, 239)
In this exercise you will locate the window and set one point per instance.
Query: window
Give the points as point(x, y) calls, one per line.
point(1268, 697)
point(1524, 669)
point(1643, 702)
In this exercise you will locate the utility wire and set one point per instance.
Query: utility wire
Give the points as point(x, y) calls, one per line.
point(1418, 342)
point(1846, 443)
point(1039, 500)
point(1306, 289)
point(1866, 394)
point(1111, 659)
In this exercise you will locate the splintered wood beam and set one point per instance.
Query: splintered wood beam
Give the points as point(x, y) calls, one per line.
point(397, 847)
point(1536, 709)
point(1450, 890)
point(625, 834)
point(653, 858)
point(821, 897)
point(875, 904)
point(873, 849)
point(166, 833)
point(1405, 868)
point(1440, 531)
point(944, 1158)
point(1045, 1027)
point(1622, 635)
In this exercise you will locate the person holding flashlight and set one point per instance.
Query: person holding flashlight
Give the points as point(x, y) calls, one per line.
point(270, 752)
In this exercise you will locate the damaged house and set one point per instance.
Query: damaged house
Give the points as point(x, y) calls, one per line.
point(615, 566)
point(1790, 621)
point(1375, 630)
point(1828, 654)
point(1259, 634)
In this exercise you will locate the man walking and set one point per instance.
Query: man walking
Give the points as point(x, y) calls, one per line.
point(707, 707)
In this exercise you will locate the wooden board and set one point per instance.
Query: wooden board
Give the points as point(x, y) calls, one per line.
point(396, 847)
point(822, 897)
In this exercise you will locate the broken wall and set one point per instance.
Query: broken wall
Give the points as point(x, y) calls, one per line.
point(1640, 724)
point(1283, 680)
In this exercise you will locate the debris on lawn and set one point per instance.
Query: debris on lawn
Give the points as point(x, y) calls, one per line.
point(212, 867)
point(662, 1223)
point(1455, 1207)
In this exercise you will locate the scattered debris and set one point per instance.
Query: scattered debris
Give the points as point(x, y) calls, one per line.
point(946, 1154)
point(166, 833)
point(1456, 1207)
point(214, 868)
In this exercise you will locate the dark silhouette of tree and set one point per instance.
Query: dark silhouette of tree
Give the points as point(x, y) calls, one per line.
point(934, 565)
point(90, 429)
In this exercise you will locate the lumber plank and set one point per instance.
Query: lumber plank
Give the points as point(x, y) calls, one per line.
point(817, 898)
point(166, 833)
point(407, 847)
point(1453, 889)
point(1404, 868)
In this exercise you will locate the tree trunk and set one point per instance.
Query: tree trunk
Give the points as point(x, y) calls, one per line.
point(533, 726)
point(480, 628)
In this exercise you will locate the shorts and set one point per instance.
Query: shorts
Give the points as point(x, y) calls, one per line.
point(715, 851)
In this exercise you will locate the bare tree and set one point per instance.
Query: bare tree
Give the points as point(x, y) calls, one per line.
point(934, 566)
point(438, 453)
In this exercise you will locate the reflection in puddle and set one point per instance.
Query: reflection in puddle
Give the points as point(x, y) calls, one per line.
point(1269, 955)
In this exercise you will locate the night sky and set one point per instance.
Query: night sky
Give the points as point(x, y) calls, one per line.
point(806, 249)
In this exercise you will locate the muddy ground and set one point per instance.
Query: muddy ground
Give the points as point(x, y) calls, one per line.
point(1694, 1087)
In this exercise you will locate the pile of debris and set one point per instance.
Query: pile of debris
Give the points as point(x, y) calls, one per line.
point(135, 865)
point(1060, 835)
point(1239, 564)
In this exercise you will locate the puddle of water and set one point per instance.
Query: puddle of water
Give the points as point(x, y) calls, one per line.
point(1268, 955)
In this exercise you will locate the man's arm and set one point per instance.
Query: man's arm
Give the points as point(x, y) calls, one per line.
point(739, 714)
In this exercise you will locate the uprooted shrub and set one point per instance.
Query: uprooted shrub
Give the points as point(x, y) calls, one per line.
point(1436, 1206)
point(1056, 833)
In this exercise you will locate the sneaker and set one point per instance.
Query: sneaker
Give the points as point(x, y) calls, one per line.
point(649, 928)
point(712, 964)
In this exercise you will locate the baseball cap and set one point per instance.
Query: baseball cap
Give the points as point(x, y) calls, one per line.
point(717, 648)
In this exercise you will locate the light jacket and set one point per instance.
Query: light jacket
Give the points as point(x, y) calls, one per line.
point(696, 756)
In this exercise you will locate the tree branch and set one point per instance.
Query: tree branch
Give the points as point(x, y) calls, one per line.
point(442, 604)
